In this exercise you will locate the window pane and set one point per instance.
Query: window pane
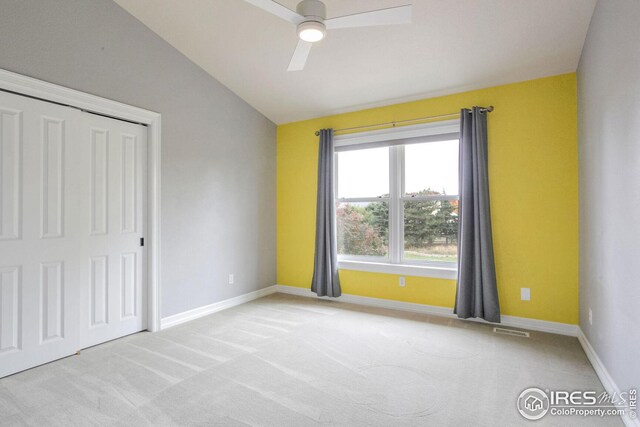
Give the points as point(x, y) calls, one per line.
point(363, 228)
point(431, 231)
point(363, 173)
point(431, 168)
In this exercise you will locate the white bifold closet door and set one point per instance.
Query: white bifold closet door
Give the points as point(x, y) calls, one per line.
point(72, 213)
point(112, 185)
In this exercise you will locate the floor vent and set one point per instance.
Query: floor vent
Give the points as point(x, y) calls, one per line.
point(513, 332)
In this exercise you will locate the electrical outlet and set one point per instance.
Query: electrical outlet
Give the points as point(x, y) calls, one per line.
point(231, 279)
point(402, 282)
point(590, 316)
point(525, 294)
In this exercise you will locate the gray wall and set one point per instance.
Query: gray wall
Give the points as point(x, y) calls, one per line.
point(609, 162)
point(218, 153)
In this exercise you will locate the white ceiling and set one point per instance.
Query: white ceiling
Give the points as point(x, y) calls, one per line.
point(451, 46)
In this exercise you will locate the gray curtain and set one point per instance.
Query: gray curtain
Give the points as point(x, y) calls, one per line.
point(325, 268)
point(477, 292)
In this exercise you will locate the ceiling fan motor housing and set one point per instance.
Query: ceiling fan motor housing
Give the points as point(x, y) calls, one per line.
point(312, 10)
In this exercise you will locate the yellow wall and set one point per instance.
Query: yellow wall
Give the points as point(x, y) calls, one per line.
point(533, 172)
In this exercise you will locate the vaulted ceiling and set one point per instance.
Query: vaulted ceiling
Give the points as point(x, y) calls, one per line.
point(451, 46)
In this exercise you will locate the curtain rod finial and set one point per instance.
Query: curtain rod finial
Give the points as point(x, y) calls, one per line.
point(490, 108)
point(317, 133)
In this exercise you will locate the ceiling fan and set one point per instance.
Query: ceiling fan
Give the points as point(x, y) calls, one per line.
point(310, 17)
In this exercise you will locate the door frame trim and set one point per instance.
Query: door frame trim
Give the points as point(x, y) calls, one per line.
point(62, 95)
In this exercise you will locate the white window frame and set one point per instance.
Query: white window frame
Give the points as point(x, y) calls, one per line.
point(394, 263)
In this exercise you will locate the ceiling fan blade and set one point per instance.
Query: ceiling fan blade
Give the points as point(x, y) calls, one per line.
point(300, 55)
point(393, 15)
point(277, 9)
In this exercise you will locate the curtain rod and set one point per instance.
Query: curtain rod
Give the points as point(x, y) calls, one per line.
point(419, 119)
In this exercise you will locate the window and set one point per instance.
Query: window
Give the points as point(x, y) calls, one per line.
point(397, 200)
point(362, 211)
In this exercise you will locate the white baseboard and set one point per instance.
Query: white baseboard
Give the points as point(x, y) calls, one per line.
point(511, 321)
point(607, 381)
point(196, 313)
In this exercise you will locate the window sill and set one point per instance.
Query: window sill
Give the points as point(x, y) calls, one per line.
point(404, 269)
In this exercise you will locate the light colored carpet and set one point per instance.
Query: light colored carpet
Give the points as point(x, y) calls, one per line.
point(291, 361)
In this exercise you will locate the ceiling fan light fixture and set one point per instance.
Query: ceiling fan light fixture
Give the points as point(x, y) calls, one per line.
point(311, 18)
point(312, 31)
